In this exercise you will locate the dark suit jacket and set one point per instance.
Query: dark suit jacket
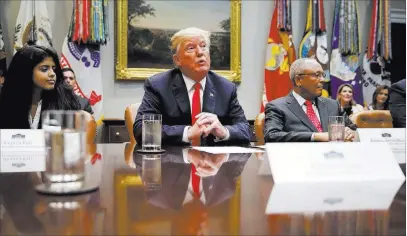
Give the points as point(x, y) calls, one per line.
point(286, 121)
point(397, 105)
point(166, 94)
point(85, 105)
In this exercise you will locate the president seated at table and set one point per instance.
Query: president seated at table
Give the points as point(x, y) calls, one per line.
point(302, 116)
point(198, 106)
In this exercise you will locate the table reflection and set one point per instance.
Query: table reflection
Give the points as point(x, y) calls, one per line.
point(176, 202)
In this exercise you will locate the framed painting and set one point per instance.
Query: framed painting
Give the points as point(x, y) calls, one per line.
point(144, 29)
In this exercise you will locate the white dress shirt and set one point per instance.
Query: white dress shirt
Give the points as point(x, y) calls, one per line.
point(189, 196)
point(190, 88)
point(301, 101)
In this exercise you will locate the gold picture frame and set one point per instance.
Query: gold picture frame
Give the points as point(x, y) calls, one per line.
point(123, 72)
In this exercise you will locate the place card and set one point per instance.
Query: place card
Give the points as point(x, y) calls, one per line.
point(22, 150)
point(332, 162)
point(22, 139)
point(395, 137)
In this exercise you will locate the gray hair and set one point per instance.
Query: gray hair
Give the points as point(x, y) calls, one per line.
point(298, 67)
point(188, 33)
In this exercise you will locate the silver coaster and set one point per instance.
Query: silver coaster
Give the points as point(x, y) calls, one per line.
point(150, 152)
point(69, 188)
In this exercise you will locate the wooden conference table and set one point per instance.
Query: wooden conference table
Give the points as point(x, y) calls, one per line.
point(126, 203)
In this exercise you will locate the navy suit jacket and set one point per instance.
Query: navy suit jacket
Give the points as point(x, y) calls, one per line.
point(166, 94)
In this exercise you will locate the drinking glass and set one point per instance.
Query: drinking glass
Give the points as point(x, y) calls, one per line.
point(151, 132)
point(65, 142)
point(336, 128)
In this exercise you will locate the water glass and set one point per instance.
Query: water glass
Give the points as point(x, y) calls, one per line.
point(151, 132)
point(65, 142)
point(336, 128)
point(151, 171)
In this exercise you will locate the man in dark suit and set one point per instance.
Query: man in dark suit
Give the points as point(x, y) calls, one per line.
point(397, 104)
point(302, 116)
point(194, 102)
point(70, 80)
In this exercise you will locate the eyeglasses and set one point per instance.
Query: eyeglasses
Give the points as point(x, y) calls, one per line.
point(316, 75)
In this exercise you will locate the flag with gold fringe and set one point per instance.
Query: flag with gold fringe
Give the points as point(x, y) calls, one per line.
point(280, 54)
point(81, 51)
point(32, 25)
point(344, 66)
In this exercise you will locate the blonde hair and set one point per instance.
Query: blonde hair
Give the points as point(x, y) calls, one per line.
point(188, 33)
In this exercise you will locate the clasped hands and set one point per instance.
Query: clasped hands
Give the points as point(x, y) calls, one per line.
point(207, 123)
point(206, 164)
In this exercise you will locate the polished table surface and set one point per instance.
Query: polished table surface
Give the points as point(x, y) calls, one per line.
point(127, 203)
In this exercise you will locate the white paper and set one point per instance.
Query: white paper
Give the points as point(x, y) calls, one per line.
point(335, 196)
point(228, 149)
point(333, 161)
point(395, 137)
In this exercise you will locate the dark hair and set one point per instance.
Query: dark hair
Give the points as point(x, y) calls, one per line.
point(16, 95)
point(374, 99)
point(352, 102)
point(68, 69)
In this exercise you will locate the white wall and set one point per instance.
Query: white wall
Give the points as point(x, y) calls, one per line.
point(256, 16)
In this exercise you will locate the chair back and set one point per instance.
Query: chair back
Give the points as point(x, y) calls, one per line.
point(373, 119)
point(259, 128)
point(129, 118)
point(91, 127)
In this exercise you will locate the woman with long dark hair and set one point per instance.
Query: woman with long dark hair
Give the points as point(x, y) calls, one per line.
point(380, 99)
point(34, 83)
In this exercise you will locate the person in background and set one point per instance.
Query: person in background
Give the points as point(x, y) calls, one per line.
point(34, 84)
point(345, 98)
point(70, 80)
point(397, 103)
point(2, 79)
point(194, 101)
point(380, 98)
point(302, 116)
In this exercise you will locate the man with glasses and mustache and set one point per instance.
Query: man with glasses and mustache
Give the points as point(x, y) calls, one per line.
point(302, 116)
point(198, 106)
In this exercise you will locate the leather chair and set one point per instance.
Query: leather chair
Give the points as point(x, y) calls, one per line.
point(129, 118)
point(373, 119)
point(91, 127)
point(259, 128)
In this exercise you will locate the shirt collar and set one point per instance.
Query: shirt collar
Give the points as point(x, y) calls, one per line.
point(190, 83)
point(300, 99)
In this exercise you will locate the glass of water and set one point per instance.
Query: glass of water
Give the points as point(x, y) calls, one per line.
point(65, 141)
point(336, 128)
point(151, 132)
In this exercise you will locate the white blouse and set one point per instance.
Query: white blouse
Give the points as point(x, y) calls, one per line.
point(34, 121)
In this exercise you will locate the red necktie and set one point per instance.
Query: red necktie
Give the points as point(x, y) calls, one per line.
point(196, 109)
point(312, 116)
point(195, 181)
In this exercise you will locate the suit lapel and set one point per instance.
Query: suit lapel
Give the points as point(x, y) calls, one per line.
point(180, 92)
point(323, 114)
point(209, 96)
point(293, 105)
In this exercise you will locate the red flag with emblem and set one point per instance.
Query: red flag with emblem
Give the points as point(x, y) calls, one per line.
point(280, 54)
